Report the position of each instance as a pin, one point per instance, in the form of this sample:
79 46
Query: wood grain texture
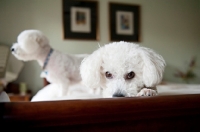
160 113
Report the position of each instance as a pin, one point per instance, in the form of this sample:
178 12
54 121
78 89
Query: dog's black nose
118 95
12 49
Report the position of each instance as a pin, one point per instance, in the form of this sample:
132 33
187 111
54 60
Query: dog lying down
123 69
119 69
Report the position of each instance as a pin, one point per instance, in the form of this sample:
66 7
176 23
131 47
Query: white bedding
4 97
78 91
176 89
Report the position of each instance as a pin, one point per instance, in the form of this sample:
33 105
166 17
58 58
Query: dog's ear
153 68
42 41
90 69
30 40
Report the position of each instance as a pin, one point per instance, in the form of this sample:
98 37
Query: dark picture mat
68 34
113 8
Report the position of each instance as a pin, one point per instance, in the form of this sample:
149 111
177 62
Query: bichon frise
123 69
58 68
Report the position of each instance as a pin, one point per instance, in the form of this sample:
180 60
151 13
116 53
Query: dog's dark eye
130 75
109 75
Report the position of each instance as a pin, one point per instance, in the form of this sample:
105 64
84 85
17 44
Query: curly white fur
123 69
62 69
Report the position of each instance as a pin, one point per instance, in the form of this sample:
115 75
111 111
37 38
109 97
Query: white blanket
176 89
78 91
4 97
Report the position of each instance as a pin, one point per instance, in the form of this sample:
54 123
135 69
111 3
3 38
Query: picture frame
80 20
124 21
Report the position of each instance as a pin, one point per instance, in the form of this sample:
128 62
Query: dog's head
122 69
29 45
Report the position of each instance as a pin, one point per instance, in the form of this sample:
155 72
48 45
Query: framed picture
124 22
80 19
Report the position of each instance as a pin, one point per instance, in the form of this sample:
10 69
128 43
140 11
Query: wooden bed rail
161 113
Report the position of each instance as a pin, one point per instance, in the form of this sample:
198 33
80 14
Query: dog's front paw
147 92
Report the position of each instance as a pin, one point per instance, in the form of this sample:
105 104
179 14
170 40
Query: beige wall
170 27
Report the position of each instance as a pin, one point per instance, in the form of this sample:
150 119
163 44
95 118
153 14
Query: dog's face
121 75
30 43
122 69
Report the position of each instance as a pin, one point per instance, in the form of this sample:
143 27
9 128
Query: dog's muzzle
118 94
12 49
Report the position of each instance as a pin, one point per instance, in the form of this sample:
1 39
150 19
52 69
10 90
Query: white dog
122 69
58 68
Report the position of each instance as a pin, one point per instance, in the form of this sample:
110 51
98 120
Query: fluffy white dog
123 69
58 68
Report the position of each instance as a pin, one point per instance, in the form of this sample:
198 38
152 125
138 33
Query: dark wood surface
19 97
155 114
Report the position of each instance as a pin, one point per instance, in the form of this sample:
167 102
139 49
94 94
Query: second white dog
122 69
58 68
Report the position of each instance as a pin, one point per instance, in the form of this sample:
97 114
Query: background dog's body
59 68
63 69
62 66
